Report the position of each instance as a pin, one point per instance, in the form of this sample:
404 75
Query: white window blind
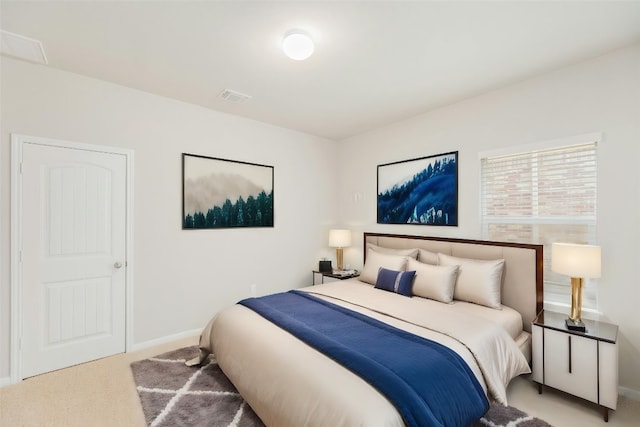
543 196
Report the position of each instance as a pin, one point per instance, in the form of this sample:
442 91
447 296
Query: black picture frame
419 191
221 193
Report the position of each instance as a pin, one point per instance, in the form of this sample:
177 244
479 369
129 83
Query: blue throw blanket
429 384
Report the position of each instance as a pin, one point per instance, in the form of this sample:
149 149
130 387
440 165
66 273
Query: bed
475 299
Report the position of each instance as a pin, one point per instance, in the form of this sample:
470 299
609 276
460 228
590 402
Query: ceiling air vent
22 47
233 96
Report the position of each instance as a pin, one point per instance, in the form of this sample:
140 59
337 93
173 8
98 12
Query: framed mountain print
221 193
419 191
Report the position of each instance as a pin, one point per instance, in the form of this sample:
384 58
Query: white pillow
413 253
478 281
427 257
376 260
435 282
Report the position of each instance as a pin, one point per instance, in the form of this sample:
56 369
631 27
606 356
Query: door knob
118 264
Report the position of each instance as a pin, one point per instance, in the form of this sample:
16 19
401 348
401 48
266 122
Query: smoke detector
22 47
233 96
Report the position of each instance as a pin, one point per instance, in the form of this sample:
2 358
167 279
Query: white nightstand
325 277
584 364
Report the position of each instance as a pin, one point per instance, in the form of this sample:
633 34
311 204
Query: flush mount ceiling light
297 44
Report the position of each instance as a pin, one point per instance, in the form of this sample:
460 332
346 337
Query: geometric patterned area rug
508 416
173 394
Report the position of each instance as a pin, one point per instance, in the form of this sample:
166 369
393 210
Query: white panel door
73 256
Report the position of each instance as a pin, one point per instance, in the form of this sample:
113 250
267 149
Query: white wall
601 95
181 277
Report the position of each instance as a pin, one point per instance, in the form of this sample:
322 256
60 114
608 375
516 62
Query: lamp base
575 325
339 262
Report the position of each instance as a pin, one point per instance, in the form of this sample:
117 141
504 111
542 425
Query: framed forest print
221 193
419 191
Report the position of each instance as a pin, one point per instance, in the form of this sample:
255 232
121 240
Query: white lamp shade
297 45
574 260
339 238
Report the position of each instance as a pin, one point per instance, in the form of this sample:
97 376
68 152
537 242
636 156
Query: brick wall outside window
543 196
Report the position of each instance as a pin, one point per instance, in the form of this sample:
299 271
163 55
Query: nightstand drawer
570 364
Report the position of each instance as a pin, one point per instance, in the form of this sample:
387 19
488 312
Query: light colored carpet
97 394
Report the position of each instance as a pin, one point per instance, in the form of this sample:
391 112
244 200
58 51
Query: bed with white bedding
482 312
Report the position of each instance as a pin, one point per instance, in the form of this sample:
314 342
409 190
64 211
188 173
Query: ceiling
375 62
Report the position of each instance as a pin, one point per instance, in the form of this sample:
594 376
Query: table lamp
578 262
339 239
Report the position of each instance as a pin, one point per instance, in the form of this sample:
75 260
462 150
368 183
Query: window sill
587 313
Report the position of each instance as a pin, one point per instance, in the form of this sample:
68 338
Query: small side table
584 364
333 276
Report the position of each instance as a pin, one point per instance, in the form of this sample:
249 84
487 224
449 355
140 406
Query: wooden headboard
523 269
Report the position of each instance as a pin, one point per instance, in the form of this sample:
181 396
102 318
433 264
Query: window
543 196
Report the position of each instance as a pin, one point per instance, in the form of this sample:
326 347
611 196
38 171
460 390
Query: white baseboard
5 381
629 393
166 339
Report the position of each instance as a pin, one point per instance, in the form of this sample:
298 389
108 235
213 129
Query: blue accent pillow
399 282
